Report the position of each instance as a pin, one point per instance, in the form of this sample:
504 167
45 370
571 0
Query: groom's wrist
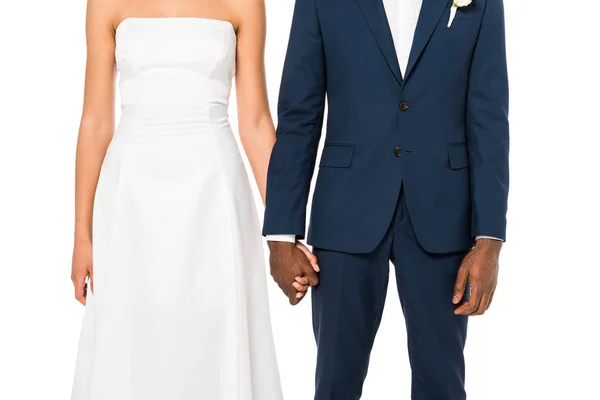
278 249
489 244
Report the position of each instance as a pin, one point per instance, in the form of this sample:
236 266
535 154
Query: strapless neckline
200 19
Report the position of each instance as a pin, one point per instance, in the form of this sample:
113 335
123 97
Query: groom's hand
289 262
480 269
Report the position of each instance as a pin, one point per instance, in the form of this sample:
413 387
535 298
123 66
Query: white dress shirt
402 17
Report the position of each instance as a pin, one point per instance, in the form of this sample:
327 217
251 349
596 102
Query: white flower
461 3
455 6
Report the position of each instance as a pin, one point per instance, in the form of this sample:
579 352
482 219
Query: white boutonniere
456 4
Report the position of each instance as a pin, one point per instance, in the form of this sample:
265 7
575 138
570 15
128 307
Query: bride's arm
257 132
95 132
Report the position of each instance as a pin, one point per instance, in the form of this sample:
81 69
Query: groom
414 171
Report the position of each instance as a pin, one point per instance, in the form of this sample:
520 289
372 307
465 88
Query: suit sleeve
300 120
487 125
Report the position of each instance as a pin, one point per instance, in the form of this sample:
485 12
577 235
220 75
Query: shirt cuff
488 237
281 238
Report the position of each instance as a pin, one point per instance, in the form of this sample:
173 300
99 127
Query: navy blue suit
413 169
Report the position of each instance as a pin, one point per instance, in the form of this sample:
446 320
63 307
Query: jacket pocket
458 156
337 156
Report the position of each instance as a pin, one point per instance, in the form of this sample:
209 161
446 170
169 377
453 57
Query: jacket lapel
374 13
431 13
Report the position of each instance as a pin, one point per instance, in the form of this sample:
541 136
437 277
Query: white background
541 338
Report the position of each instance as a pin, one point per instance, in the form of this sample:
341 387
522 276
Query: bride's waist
174 118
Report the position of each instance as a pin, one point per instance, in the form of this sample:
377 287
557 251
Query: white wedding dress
180 306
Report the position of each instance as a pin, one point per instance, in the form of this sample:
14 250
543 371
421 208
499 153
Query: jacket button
397 151
403 105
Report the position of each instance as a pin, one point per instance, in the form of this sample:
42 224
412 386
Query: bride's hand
301 284
81 269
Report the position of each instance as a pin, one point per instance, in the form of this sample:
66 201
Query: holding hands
294 268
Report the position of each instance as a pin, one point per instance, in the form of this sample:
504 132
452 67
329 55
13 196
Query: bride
168 256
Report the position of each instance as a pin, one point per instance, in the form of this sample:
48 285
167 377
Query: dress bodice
176 63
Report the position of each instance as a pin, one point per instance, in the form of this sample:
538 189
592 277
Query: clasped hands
294 268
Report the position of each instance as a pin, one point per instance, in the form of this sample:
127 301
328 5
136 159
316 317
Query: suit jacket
441 131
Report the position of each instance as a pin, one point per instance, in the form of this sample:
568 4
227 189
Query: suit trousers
348 304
